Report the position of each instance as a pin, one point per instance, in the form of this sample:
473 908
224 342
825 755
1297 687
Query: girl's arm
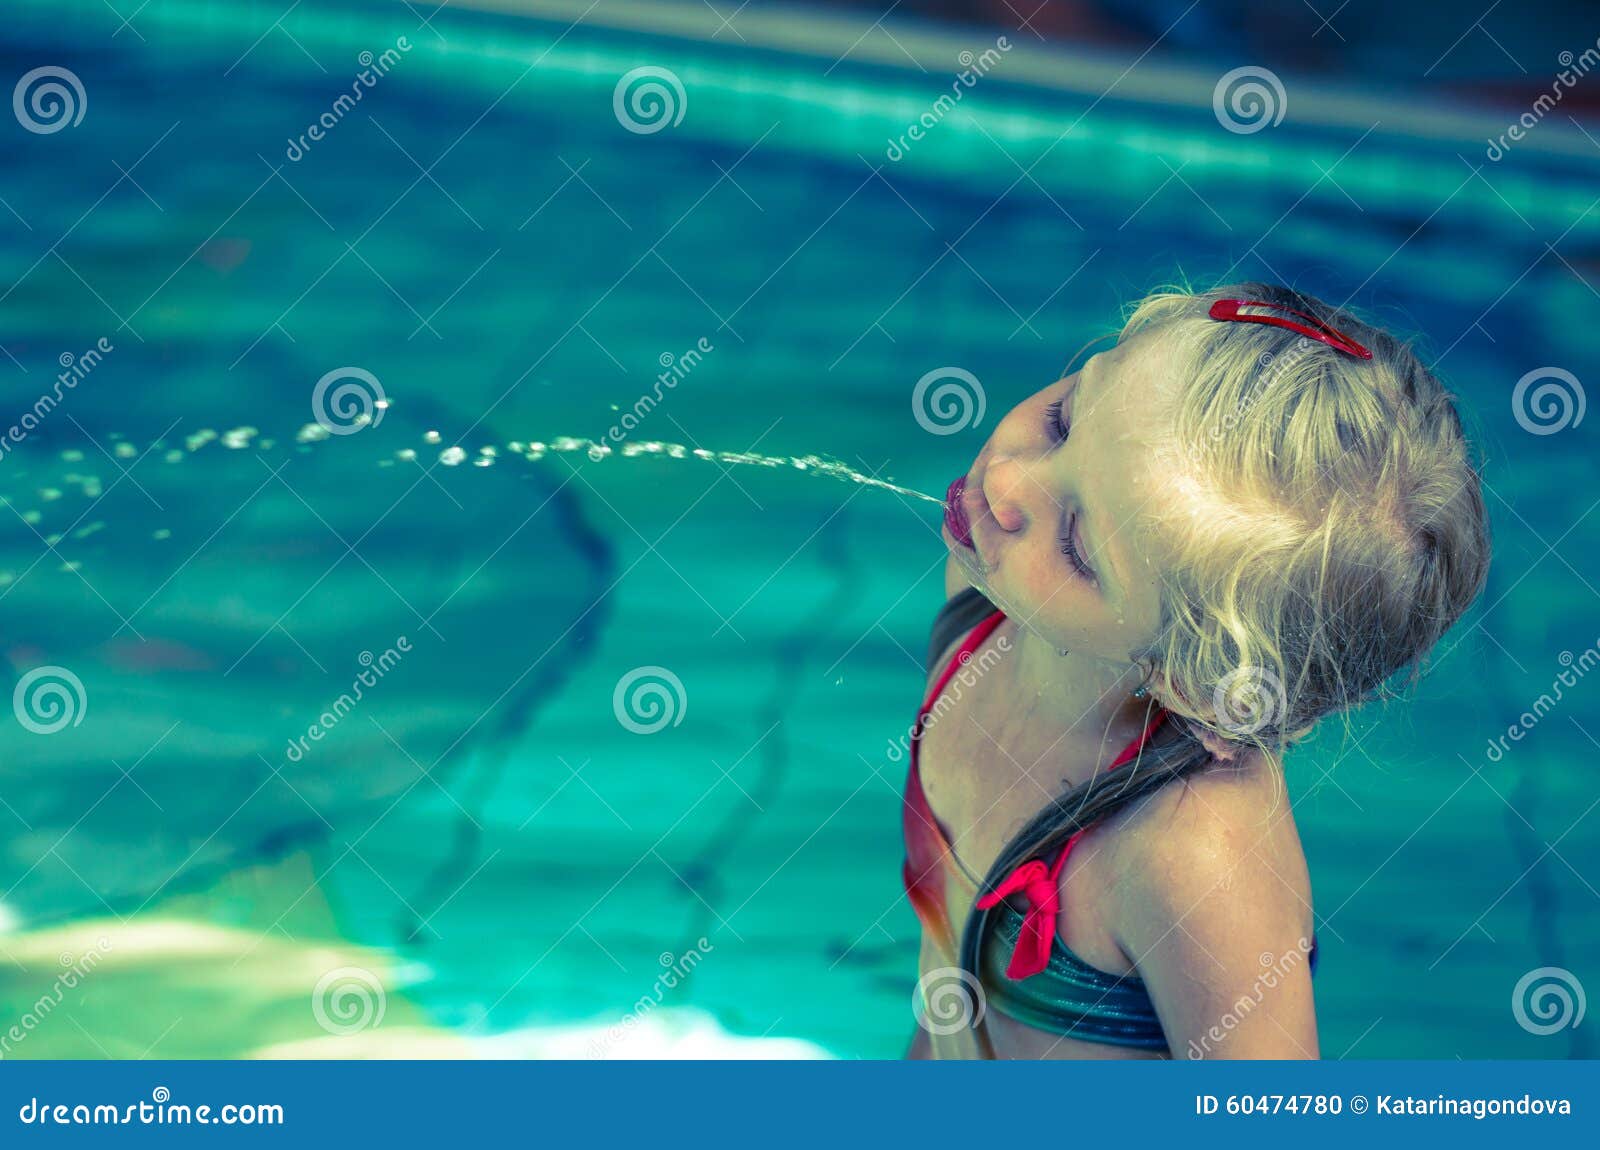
1215 914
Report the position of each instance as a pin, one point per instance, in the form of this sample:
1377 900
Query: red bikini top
1035 881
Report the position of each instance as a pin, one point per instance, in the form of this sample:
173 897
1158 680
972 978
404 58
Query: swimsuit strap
1036 881
962 657
1040 884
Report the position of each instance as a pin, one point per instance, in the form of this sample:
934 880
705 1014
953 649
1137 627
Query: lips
955 513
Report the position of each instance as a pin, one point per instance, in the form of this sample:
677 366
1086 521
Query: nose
1005 488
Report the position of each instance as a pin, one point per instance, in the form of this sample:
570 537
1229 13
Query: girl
1248 514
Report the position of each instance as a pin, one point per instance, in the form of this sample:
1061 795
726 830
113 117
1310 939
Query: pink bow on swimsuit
1038 884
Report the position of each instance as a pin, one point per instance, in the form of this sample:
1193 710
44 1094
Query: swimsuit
1042 983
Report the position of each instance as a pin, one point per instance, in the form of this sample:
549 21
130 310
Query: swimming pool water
483 236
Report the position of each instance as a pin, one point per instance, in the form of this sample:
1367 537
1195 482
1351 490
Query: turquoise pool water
483 236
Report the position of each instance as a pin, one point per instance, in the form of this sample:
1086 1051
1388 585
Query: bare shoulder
1213 909
1228 831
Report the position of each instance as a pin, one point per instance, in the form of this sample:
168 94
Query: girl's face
1058 505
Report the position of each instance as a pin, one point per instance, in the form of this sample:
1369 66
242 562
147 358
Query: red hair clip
1228 309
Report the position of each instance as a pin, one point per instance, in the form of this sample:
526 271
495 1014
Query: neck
1093 697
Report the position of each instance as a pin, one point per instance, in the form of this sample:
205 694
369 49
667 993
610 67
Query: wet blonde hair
1327 524
1325 527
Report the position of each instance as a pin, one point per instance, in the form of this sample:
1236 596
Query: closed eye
1069 548
1056 425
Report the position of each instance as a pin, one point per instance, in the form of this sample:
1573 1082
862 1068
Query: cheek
1061 605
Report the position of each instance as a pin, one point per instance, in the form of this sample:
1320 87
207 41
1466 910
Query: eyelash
1058 429
1070 550
1054 426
